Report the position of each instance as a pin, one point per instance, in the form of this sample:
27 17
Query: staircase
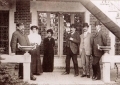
110 8
106 21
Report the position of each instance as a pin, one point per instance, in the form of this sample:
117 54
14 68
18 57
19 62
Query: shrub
8 74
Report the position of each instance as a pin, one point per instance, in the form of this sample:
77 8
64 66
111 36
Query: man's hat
85 25
98 23
72 26
19 24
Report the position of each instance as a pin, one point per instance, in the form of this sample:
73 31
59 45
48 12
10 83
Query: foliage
8 75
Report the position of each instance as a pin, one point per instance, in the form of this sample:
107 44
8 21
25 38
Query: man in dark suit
72 41
99 38
19 37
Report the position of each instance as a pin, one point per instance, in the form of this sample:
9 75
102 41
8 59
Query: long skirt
36 66
48 63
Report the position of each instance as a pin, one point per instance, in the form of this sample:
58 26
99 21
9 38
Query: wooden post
106 72
106 60
112 51
26 67
26 71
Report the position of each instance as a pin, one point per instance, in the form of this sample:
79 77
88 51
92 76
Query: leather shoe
37 74
76 75
83 75
20 77
97 78
65 73
88 76
93 77
33 78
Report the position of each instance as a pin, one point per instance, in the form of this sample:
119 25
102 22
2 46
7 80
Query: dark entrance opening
4 31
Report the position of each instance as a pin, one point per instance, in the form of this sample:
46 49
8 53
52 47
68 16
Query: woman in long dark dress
48 59
35 39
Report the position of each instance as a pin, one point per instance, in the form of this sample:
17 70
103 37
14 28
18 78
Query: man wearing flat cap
19 37
85 50
72 41
100 38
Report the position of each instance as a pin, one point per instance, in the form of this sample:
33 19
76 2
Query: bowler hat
19 24
98 23
72 26
85 25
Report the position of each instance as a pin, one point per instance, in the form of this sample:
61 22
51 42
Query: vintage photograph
59 42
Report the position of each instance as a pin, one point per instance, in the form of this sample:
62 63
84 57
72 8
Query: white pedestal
26 67
106 72
26 71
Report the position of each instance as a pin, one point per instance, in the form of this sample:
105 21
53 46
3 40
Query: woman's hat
50 30
85 25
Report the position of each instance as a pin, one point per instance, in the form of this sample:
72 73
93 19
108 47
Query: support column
106 72
112 51
61 34
12 26
48 20
87 19
33 10
72 18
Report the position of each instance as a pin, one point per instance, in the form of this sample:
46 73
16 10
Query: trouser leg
99 71
68 64
83 62
75 62
87 64
20 69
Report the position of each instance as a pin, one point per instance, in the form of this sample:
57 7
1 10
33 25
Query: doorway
4 31
57 22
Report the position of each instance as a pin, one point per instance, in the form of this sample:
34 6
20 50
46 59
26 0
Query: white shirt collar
98 30
72 33
85 33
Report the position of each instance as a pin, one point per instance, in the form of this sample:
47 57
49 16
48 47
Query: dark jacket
74 44
99 38
18 37
49 46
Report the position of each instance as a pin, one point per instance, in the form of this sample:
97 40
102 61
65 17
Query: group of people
34 39
87 45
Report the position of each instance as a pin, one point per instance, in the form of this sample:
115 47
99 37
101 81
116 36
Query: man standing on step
73 40
99 38
19 37
85 50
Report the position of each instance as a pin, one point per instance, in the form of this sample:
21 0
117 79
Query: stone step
56 78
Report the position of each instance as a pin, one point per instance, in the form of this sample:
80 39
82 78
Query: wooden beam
60 0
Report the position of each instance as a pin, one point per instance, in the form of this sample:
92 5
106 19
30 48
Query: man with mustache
72 41
85 50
